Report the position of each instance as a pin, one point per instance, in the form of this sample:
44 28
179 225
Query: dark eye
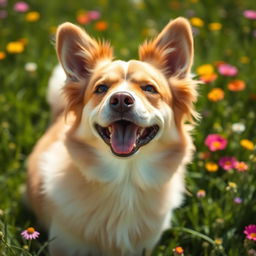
149 88
102 88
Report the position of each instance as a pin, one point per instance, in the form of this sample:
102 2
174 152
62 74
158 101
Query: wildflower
216 94
30 233
236 85
241 166
244 60
214 26
101 25
238 200
215 142
247 144
238 127
178 250
227 70
94 15
211 167
227 162
82 18
201 193
2 55
208 78
205 69
3 14
218 241
232 186
21 6
32 16
204 155
197 22
3 3
250 14
30 67
250 232
15 47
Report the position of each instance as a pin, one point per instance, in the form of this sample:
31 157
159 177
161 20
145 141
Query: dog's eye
101 88
149 88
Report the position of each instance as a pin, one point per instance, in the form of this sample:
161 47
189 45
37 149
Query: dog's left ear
172 50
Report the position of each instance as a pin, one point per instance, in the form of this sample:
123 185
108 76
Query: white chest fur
112 204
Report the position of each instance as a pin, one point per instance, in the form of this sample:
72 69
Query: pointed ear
78 52
172 50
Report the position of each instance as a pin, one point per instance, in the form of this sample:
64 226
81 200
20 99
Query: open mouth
125 137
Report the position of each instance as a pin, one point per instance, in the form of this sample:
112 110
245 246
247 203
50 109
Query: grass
208 226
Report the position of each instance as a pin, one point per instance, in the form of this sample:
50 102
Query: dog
107 174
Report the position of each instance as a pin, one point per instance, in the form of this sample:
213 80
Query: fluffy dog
106 175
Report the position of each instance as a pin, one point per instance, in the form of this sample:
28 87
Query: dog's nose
121 101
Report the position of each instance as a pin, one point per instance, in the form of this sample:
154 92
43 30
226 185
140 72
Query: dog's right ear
78 52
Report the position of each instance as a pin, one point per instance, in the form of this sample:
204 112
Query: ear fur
172 49
78 52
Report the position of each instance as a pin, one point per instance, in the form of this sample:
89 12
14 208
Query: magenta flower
227 70
250 232
227 162
30 233
94 15
238 200
3 3
215 142
21 7
250 14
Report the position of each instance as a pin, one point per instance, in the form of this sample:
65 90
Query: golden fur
92 201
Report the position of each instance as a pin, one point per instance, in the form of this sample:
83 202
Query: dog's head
128 107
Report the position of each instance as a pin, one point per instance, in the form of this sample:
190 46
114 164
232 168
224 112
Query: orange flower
101 25
207 78
247 144
2 55
216 94
211 167
236 85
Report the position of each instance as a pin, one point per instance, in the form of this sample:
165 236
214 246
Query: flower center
30 230
216 144
253 235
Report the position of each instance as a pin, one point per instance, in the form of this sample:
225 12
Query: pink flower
241 166
30 233
227 162
215 142
94 15
250 232
3 3
21 6
238 200
227 70
250 14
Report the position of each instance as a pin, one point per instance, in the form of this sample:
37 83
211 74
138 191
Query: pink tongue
123 137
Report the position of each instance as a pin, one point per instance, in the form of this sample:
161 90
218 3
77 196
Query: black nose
121 101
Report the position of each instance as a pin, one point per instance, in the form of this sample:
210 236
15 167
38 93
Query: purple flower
227 70
3 3
250 14
238 200
227 162
30 233
21 7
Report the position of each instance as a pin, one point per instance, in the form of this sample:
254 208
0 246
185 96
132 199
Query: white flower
31 67
238 127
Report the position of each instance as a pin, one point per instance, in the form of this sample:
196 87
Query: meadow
220 201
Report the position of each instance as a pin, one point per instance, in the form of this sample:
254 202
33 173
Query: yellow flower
232 185
197 22
244 60
2 55
32 16
15 47
206 69
247 144
218 241
216 94
215 26
211 167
